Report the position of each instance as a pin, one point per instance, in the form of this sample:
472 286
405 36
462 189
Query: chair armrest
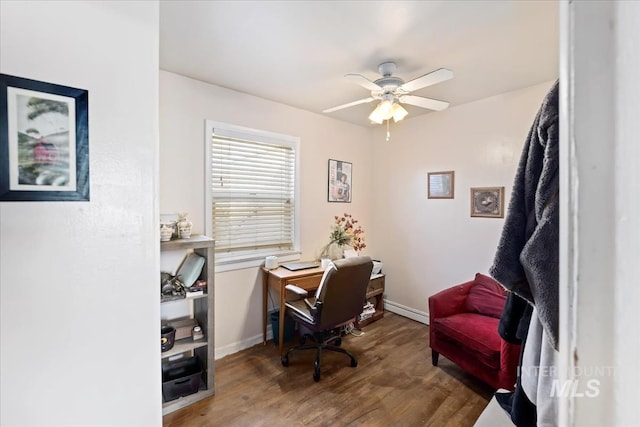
314 308
449 301
297 290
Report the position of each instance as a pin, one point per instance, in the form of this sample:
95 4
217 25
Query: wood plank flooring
394 384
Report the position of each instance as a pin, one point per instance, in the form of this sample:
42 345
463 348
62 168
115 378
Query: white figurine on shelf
165 233
184 226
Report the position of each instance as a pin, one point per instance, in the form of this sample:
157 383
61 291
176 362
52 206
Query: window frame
247 261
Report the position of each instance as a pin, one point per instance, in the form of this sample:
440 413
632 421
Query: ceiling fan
390 88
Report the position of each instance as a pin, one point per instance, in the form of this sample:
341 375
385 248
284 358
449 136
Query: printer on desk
377 267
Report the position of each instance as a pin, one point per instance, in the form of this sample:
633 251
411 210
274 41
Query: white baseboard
402 310
408 312
241 345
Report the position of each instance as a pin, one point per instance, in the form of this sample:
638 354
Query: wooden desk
309 280
277 279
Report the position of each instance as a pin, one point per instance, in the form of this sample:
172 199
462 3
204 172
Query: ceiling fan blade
419 101
363 81
351 104
432 78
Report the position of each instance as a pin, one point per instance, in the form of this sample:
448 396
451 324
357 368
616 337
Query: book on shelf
198 288
166 298
367 311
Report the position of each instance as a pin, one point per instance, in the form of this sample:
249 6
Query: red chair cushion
474 332
486 297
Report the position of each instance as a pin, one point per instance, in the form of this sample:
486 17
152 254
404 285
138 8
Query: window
252 201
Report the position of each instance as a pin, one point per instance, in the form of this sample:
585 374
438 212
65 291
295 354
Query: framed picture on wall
487 202
44 141
339 188
440 185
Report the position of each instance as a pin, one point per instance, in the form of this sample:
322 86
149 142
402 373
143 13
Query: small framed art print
440 185
339 188
487 202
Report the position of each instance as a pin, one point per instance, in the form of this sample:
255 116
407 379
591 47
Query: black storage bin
181 378
289 327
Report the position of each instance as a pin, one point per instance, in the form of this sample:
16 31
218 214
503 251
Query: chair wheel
354 363
285 360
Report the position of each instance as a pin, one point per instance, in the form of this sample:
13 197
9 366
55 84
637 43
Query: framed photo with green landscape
44 141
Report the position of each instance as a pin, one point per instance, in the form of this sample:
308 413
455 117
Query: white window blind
252 194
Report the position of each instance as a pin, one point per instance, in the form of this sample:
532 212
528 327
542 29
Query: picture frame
339 188
487 202
44 141
441 185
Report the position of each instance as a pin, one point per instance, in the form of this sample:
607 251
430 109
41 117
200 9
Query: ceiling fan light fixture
375 119
376 115
386 110
399 112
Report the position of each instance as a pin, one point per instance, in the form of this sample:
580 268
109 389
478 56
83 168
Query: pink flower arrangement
346 232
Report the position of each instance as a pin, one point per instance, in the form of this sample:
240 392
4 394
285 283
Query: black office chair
339 298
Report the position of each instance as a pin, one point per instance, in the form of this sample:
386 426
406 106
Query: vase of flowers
344 232
333 251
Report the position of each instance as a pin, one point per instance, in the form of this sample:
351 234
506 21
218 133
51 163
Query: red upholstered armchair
463 327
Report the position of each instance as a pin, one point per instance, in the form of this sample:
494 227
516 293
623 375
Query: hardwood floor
394 384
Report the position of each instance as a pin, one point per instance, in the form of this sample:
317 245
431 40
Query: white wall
79 280
428 245
185 104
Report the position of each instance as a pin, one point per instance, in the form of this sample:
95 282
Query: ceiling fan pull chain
388 134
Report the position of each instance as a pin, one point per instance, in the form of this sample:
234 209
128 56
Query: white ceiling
297 52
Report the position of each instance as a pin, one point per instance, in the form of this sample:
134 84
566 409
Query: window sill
239 264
